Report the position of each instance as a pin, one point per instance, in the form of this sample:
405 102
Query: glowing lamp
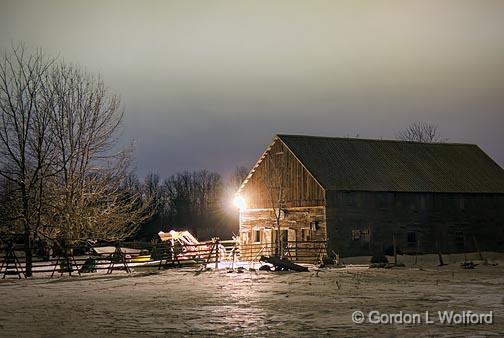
239 202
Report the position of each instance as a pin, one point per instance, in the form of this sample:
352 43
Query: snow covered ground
186 302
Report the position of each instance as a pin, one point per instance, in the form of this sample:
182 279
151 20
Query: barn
307 196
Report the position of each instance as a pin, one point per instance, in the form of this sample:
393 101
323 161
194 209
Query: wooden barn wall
307 221
300 189
362 223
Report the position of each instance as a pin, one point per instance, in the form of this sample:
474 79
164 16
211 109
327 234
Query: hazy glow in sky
207 84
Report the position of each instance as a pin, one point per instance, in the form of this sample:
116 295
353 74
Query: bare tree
274 181
8 206
101 207
57 135
24 145
420 132
88 192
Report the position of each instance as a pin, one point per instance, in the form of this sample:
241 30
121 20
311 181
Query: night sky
207 84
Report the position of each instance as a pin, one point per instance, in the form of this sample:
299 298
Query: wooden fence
151 255
147 255
297 251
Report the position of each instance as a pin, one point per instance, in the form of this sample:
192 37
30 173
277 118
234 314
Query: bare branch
420 132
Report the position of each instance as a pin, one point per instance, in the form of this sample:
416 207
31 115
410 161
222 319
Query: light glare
239 202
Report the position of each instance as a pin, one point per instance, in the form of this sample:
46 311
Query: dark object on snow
283 264
327 260
265 268
331 261
378 265
468 265
379 259
386 265
389 251
88 266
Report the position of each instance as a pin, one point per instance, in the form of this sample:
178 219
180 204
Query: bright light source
239 202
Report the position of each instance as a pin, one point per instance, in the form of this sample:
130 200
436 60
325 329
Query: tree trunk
28 253
278 240
27 232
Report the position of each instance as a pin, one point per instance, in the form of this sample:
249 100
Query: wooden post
69 260
234 257
209 258
119 256
172 248
68 264
55 266
440 256
417 251
395 248
75 264
217 251
1 267
11 259
296 245
477 248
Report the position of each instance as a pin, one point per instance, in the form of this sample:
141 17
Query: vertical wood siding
300 188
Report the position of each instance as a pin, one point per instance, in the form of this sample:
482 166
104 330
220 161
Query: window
359 234
256 235
244 237
305 234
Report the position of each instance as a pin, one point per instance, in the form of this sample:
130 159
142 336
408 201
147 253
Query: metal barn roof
382 165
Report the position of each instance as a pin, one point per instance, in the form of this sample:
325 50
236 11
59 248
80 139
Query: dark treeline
198 201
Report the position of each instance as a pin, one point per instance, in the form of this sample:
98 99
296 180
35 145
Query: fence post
217 250
296 250
395 248
440 256
477 248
